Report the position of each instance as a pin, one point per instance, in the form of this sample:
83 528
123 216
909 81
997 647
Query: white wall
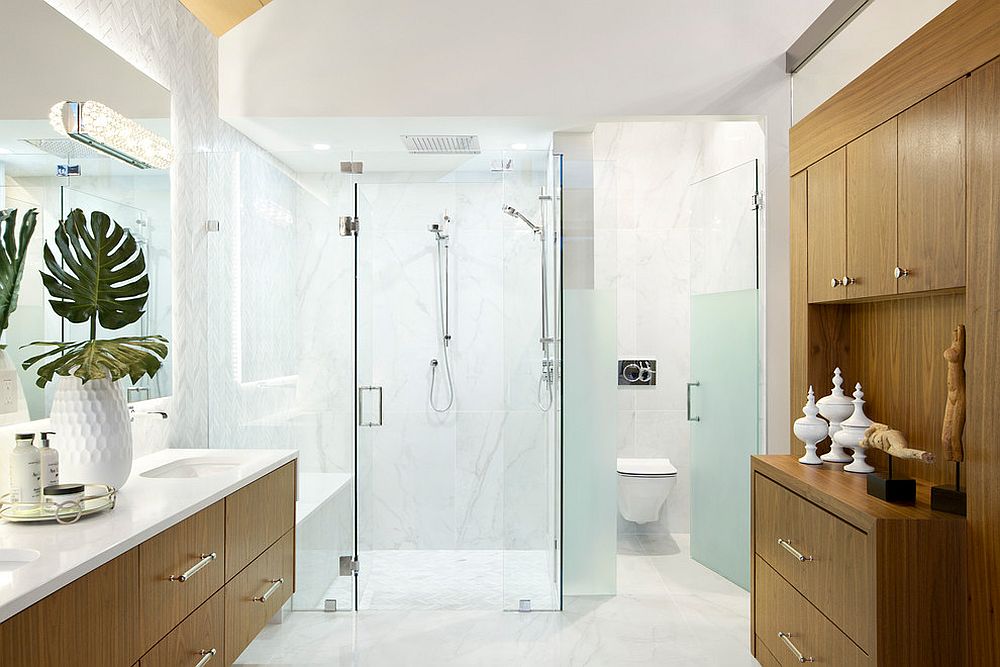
875 31
643 236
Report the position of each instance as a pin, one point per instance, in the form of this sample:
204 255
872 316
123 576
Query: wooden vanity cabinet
932 191
826 223
137 608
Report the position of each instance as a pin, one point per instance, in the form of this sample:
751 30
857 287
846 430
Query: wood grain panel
92 622
764 656
838 579
799 300
245 617
871 212
203 630
982 364
780 608
827 226
257 515
963 37
931 230
895 351
171 553
827 348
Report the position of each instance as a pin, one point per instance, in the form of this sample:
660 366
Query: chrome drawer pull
275 585
787 638
206 657
205 560
795 552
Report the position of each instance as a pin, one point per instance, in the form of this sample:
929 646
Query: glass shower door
724 389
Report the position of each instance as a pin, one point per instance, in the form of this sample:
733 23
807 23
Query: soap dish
97 498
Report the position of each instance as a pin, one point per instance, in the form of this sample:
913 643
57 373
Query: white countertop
145 507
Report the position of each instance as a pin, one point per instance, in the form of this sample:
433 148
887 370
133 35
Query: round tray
97 498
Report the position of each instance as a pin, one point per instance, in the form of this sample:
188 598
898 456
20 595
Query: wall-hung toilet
643 487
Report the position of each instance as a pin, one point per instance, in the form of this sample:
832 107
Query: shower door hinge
757 201
349 566
348 225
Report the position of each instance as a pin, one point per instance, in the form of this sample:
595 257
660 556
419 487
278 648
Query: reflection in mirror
35 161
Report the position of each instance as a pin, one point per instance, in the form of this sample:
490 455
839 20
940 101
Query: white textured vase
93 432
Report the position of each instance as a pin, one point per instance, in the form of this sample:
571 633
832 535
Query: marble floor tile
669 611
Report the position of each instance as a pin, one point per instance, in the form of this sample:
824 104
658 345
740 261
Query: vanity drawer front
781 609
268 577
177 572
257 515
194 639
763 655
837 573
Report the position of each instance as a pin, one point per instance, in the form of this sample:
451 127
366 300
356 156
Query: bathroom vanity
187 569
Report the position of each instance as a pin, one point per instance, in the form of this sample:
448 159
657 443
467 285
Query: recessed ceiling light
519 146
321 147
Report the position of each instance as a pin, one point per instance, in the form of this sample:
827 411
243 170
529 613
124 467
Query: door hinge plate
349 566
757 201
348 225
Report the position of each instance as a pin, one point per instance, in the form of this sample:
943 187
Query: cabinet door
932 191
871 212
826 186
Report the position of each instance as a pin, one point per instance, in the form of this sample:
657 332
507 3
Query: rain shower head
514 213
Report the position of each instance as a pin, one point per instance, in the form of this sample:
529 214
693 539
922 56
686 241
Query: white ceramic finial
853 430
836 408
811 430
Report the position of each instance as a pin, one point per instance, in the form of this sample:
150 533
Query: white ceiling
358 75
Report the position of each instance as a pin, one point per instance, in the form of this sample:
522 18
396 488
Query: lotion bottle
25 470
49 461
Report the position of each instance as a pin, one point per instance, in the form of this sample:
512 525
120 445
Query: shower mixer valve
636 372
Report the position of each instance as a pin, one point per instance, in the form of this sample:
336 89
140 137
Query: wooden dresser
195 594
847 579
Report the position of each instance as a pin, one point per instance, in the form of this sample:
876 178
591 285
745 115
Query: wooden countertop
845 494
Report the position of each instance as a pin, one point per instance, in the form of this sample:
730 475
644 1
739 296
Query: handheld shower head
514 213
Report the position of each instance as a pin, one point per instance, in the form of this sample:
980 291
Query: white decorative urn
95 433
853 431
836 408
811 430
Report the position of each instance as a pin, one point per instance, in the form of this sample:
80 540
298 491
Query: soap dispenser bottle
49 461
25 470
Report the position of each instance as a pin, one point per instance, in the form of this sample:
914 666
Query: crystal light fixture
106 130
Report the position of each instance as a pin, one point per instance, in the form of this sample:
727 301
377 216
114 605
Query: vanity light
106 130
321 147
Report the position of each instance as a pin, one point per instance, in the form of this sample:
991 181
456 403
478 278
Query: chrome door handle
205 560
900 272
795 552
787 638
836 282
848 281
361 405
689 417
206 657
275 585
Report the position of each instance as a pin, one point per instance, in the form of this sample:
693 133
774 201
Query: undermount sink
195 466
11 559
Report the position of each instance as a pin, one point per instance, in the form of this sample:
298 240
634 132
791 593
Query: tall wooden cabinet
826 203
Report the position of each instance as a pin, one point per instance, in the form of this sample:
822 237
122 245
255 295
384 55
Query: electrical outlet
8 391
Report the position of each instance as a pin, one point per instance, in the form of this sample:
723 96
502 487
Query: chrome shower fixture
440 229
514 213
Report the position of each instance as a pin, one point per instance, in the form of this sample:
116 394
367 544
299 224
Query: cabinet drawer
177 572
257 515
763 655
779 608
837 573
257 593
200 637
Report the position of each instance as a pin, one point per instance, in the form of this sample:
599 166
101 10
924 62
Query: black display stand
949 498
890 489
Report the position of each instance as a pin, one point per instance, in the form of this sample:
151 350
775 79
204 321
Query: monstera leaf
131 356
103 272
13 255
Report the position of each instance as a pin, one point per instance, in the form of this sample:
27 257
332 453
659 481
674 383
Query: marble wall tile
528 470
479 478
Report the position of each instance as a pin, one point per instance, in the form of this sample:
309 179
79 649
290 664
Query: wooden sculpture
893 443
954 411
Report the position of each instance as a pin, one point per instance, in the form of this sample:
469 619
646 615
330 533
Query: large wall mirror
47 59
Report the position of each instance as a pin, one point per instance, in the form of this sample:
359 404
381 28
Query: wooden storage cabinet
932 191
180 568
135 610
879 585
826 222
200 634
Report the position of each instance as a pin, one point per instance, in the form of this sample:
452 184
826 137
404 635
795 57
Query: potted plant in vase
101 278
13 256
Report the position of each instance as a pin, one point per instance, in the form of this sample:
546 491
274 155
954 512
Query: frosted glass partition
590 495
724 390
